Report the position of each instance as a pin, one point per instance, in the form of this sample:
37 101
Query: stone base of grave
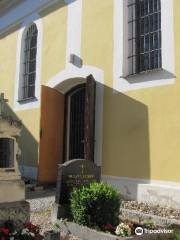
18 212
51 235
59 211
12 190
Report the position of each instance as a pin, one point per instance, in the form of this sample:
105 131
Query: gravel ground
152 209
41 215
39 204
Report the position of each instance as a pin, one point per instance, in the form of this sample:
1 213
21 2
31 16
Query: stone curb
18 212
86 233
140 217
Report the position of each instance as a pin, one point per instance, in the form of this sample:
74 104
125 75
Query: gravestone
72 174
12 189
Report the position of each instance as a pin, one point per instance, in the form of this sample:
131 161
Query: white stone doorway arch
71 77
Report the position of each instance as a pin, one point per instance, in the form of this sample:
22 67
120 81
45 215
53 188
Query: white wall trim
73 72
19 58
98 74
74 23
165 193
168 42
29 172
120 66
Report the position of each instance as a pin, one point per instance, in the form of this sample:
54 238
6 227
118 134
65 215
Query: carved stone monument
74 173
12 189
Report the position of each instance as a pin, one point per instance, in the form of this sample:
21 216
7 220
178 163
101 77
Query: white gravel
41 203
152 209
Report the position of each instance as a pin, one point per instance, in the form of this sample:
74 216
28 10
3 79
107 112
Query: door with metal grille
75 123
80 121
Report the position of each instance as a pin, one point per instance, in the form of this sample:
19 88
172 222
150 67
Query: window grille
144 35
6 153
29 63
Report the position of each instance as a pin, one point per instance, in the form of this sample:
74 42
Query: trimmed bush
95 205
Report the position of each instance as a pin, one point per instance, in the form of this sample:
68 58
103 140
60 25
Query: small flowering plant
9 232
32 228
4 233
123 230
109 228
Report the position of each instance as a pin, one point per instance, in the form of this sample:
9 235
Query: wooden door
51 135
89 118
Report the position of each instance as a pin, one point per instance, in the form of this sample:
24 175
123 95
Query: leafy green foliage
95 205
177 236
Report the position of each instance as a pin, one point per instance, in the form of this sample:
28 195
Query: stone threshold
86 233
139 217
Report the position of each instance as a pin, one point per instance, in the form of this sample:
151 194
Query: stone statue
12 189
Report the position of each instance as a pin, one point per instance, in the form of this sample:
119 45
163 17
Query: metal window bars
144 35
6 153
29 64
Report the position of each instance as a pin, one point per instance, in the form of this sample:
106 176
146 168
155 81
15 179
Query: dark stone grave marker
71 174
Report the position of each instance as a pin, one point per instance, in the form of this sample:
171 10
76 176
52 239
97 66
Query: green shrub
177 236
95 205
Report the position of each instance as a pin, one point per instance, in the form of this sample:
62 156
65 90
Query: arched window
29 51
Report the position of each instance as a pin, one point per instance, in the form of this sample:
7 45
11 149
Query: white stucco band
121 82
74 73
74 29
165 193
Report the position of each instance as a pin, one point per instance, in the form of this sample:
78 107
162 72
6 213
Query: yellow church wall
30 130
7 64
53 61
142 129
97 36
29 140
54 41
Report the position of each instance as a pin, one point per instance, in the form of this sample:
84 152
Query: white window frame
154 78
34 103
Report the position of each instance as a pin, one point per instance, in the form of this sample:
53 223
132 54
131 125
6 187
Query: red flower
108 227
4 231
32 228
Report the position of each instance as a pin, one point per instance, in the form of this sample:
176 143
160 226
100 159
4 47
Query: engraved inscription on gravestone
75 173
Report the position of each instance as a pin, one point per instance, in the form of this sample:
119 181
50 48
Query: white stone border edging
139 217
86 233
